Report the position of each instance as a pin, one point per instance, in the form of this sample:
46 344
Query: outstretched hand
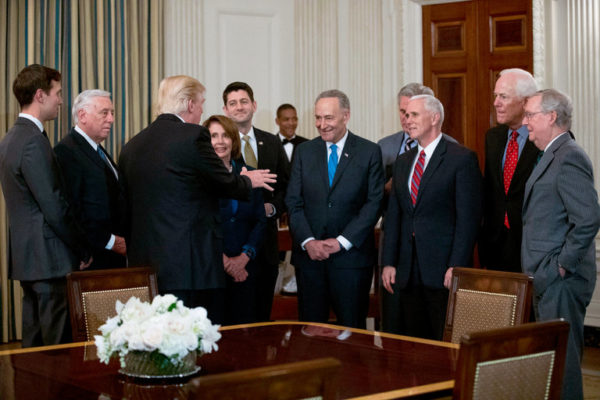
260 178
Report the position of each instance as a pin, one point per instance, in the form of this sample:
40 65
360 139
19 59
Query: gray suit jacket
45 239
561 217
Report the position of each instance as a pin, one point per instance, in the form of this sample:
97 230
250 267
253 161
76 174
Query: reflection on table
390 365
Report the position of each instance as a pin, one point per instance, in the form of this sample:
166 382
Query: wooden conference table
373 364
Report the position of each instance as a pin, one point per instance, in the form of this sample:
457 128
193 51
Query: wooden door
465 45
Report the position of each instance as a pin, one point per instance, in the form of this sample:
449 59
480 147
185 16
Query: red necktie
416 178
510 164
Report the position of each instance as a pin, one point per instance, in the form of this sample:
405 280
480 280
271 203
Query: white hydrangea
165 325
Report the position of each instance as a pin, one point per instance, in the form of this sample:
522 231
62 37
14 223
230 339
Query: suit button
232 219
330 204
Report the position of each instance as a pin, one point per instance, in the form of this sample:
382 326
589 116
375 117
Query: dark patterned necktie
416 178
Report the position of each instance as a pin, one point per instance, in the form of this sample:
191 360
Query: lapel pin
260 143
345 154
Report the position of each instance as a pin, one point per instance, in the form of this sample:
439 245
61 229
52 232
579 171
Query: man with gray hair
561 218
334 199
92 178
431 222
509 160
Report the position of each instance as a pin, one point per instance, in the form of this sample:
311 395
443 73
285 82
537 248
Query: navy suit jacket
445 220
349 208
96 194
173 180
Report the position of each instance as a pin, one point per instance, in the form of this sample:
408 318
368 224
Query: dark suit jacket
296 141
46 241
272 156
96 194
349 208
173 180
445 220
496 202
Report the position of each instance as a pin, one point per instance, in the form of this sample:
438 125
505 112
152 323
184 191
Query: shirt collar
250 134
179 116
522 131
340 143
431 147
86 137
33 119
281 137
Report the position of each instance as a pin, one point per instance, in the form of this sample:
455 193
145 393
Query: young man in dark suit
509 160
261 150
46 242
287 121
173 180
431 222
334 200
93 178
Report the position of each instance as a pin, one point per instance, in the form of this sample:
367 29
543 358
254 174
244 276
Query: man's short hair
414 89
32 78
525 84
231 131
338 94
431 104
285 106
234 87
560 103
175 92
84 99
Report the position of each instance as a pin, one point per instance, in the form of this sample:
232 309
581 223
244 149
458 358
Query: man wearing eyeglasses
561 218
509 159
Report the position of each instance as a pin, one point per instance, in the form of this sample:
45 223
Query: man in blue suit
431 221
334 199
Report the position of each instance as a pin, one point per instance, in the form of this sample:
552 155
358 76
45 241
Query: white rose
152 337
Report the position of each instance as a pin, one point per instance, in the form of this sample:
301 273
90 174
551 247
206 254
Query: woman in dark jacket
243 225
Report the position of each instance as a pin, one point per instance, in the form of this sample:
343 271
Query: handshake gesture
320 250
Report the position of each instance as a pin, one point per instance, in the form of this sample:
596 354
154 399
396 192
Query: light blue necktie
332 163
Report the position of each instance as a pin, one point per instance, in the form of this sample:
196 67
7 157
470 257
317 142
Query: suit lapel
498 145
528 156
542 165
320 160
436 159
405 164
87 149
347 153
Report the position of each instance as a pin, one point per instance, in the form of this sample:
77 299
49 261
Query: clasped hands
320 250
236 266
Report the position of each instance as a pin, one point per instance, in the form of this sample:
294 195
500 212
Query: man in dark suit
287 121
93 178
334 199
173 181
509 160
561 218
261 150
46 242
431 223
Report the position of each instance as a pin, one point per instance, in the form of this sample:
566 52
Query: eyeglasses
530 115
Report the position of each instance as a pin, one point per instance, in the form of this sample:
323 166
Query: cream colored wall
290 50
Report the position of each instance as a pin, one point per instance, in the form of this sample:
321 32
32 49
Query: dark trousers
265 288
213 300
415 310
504 254
346 291
45 312
240 298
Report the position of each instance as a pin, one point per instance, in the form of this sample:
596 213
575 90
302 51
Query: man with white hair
92 178
561 217
509 160
431 221
173 180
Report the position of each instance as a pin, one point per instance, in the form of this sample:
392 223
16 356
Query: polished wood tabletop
377 365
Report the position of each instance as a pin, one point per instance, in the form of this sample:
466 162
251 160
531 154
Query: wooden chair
482 299
521 362
295 380
93 294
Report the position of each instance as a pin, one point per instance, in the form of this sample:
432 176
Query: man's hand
562 271
331 245
448 278
388 277
260 178
83 265
269 209
119 246
388 186
316 250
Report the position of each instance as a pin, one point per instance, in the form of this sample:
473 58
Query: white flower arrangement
165 325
